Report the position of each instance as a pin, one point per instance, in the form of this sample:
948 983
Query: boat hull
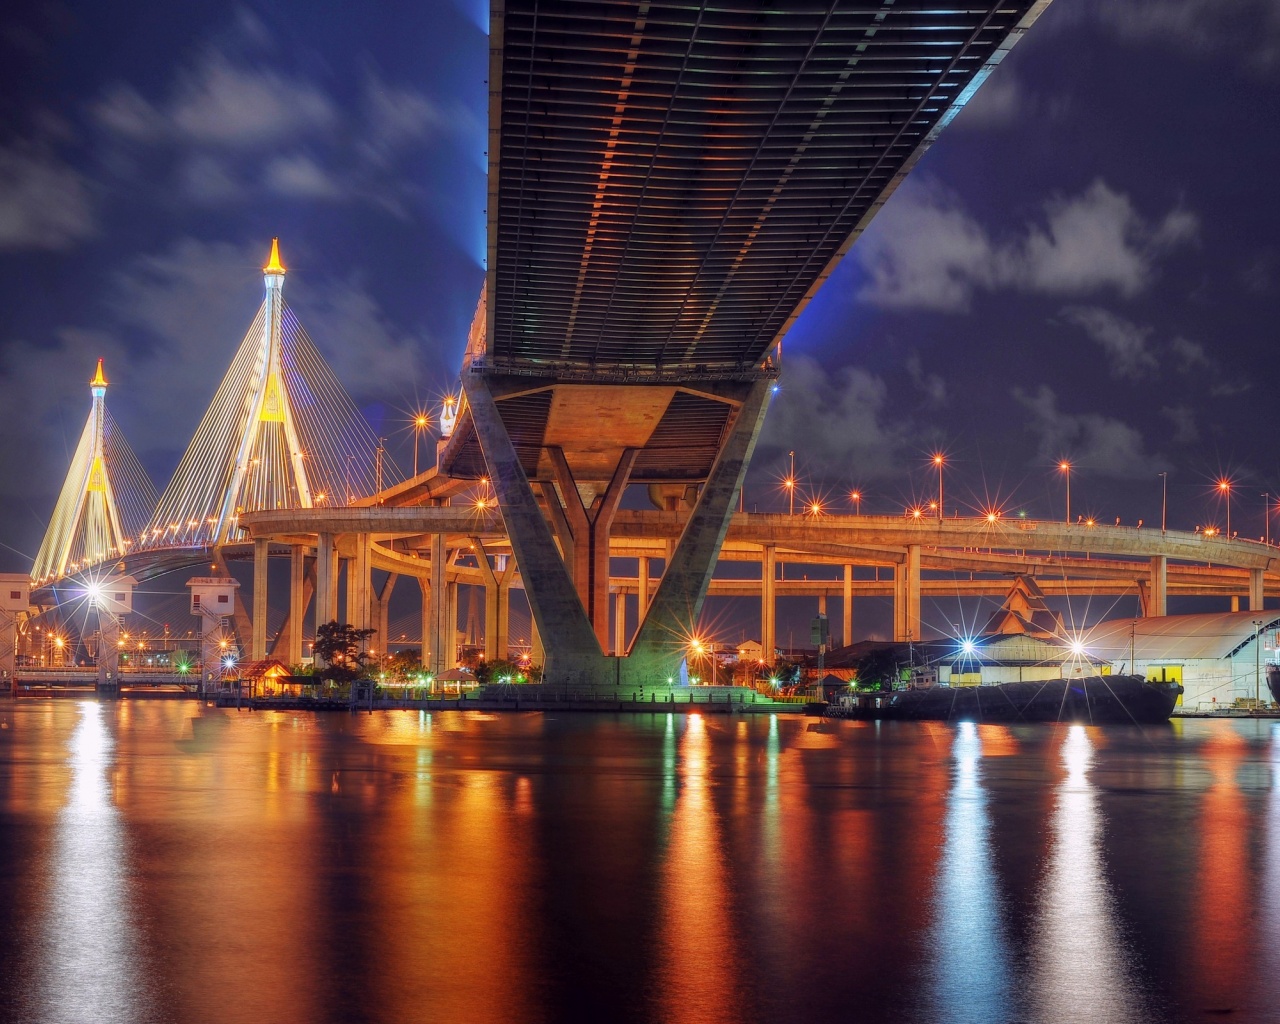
1091 699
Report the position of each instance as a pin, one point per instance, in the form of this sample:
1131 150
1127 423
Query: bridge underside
669 186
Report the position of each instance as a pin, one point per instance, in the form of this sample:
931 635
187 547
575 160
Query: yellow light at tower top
274 266
99 379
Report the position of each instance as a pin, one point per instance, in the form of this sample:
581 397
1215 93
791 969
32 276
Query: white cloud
301 177
998 102
1099 443
925 251
44 203
220 103
1191 355
931 385
1124 342
208 180
837 420
1245 30
1183 419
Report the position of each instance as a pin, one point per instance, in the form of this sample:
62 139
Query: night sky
1083 267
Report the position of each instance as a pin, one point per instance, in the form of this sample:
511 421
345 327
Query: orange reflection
1223 890
696 982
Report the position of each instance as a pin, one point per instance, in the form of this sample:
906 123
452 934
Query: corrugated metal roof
1176 637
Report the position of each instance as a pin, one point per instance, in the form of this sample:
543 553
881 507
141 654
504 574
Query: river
164 861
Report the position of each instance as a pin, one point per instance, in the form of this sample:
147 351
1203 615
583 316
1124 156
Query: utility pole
377 465
1266 519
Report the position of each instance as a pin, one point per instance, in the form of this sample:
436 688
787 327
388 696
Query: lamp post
939 460
419 425
1065 467
1164 502
856 498
1224 488
1266 518
790 484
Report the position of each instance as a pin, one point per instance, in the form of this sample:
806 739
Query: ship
1092 700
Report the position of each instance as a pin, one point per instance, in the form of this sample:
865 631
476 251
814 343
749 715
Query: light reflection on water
1080 966
167 862
90 968
971 977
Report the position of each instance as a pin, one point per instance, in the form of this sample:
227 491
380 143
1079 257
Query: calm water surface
168 862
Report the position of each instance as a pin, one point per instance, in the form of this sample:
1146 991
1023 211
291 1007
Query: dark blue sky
1084 266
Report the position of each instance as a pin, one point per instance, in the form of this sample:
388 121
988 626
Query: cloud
836 419
932 386
300 177
925 251
219 103
1191 355
1183 418
1246 30
998 102
1100 443
1124 342
44 203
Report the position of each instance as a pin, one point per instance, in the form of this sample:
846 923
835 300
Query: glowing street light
790 484
856 498
1064 467
1224 488
419 425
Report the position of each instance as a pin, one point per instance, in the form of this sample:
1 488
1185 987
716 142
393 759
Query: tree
341 647
877 669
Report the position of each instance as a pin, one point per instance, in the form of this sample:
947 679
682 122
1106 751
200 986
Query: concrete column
846 621
1235 602
768 605
261 562
297 601
644 588
678 601
590 529
576 650
619 623
1257 592
425 587
450 625
537 654
439 603
108 652
822 603
1158 601
382 610
360 584
900 628
912 583
326 579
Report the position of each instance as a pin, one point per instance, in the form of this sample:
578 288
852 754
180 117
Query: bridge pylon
280 432
106 498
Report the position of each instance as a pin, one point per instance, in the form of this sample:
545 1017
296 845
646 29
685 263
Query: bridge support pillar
360 584
424 655
768 605
326 580
619 623
1257 591
299 598
589 529
1158 593
381 613
674 612
261 562
497 598
449 636
439 605
108 652
643 590
906 596
846 619
575 655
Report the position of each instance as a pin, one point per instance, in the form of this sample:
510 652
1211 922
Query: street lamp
790 484
1257 663
419 425
1266 517
1224 488
856 498
1065 467
939 460
1164 502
